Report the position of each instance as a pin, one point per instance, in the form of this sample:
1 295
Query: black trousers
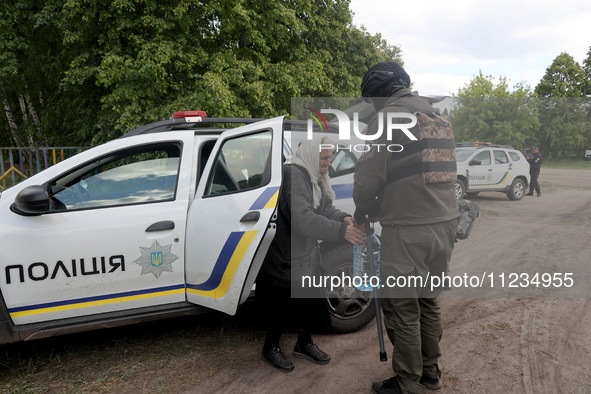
534 185
281 312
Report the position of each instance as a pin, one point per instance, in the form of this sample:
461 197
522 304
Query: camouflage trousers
412 316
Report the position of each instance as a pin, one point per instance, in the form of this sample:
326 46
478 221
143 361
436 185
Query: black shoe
539 194
530 194
430 383
276 358
390 386
311 352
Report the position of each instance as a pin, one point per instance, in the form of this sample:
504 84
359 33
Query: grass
165 356
568 164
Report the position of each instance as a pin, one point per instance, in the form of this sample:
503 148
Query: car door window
514 156
342 162
138 175
483 157
500 157
241 164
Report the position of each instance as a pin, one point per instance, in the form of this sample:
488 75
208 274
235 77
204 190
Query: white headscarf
308 156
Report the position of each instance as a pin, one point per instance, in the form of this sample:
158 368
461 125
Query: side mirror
31 201
475 162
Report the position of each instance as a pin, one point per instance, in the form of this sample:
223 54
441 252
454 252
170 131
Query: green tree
563 78
565 127
586 68
25 88
487 110
99 69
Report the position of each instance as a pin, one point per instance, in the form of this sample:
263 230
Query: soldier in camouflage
412 194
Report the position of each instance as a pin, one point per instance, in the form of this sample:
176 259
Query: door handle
163 225
251 216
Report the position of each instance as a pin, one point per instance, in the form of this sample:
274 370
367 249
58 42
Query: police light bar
190 116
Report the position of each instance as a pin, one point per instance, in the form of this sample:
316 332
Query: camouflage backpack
434 151
468 213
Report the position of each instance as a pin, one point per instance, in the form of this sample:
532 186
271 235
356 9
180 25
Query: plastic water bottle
362 272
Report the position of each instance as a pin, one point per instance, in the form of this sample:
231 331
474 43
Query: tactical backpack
435 149
469 211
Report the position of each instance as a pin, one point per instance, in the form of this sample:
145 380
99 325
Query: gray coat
299 227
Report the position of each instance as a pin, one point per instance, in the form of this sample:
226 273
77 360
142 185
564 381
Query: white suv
173 218
491 168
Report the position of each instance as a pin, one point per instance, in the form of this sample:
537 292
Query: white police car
485 167
173 218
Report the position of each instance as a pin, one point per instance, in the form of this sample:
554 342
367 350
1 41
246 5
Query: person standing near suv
419 226
535 162
305 214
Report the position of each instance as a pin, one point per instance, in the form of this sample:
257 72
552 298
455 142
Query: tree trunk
11 121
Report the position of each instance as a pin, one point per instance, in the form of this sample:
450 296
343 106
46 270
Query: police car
483 167
171 219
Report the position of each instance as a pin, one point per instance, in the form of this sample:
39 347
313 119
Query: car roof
461 145
206 125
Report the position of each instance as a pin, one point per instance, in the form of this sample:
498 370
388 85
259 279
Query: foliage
26 88
93 70
555 116
586 68
565 130
486 110
563 78
564 114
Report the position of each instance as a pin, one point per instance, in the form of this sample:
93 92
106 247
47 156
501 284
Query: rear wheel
459 189
517 190
349 309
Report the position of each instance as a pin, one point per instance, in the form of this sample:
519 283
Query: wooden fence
17 164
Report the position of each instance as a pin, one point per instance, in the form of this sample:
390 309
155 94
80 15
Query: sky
446 44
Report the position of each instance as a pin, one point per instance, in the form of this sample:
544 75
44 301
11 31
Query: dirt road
499 339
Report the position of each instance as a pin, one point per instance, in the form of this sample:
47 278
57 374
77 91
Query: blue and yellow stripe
85 302
218 283
343 191
216 286
233 251
503 179
267 199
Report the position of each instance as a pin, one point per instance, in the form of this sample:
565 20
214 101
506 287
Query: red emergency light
188 114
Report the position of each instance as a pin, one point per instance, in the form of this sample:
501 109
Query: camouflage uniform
419 224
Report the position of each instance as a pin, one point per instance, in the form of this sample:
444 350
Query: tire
472 194
459 188
517 190
349 309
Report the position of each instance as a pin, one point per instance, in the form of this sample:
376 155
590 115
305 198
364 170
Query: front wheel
349 308
517 190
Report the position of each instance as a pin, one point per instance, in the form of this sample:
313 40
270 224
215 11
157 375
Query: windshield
463 153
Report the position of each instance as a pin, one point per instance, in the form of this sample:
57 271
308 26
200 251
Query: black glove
360 216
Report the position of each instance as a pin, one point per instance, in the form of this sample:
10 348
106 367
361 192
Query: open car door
229 226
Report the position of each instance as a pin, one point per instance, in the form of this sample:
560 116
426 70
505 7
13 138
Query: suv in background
484 167
588 154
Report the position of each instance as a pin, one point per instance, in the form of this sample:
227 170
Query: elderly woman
305 215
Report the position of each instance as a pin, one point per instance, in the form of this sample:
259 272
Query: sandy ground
501 339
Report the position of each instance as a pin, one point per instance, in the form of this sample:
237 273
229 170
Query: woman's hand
350 220
354 234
